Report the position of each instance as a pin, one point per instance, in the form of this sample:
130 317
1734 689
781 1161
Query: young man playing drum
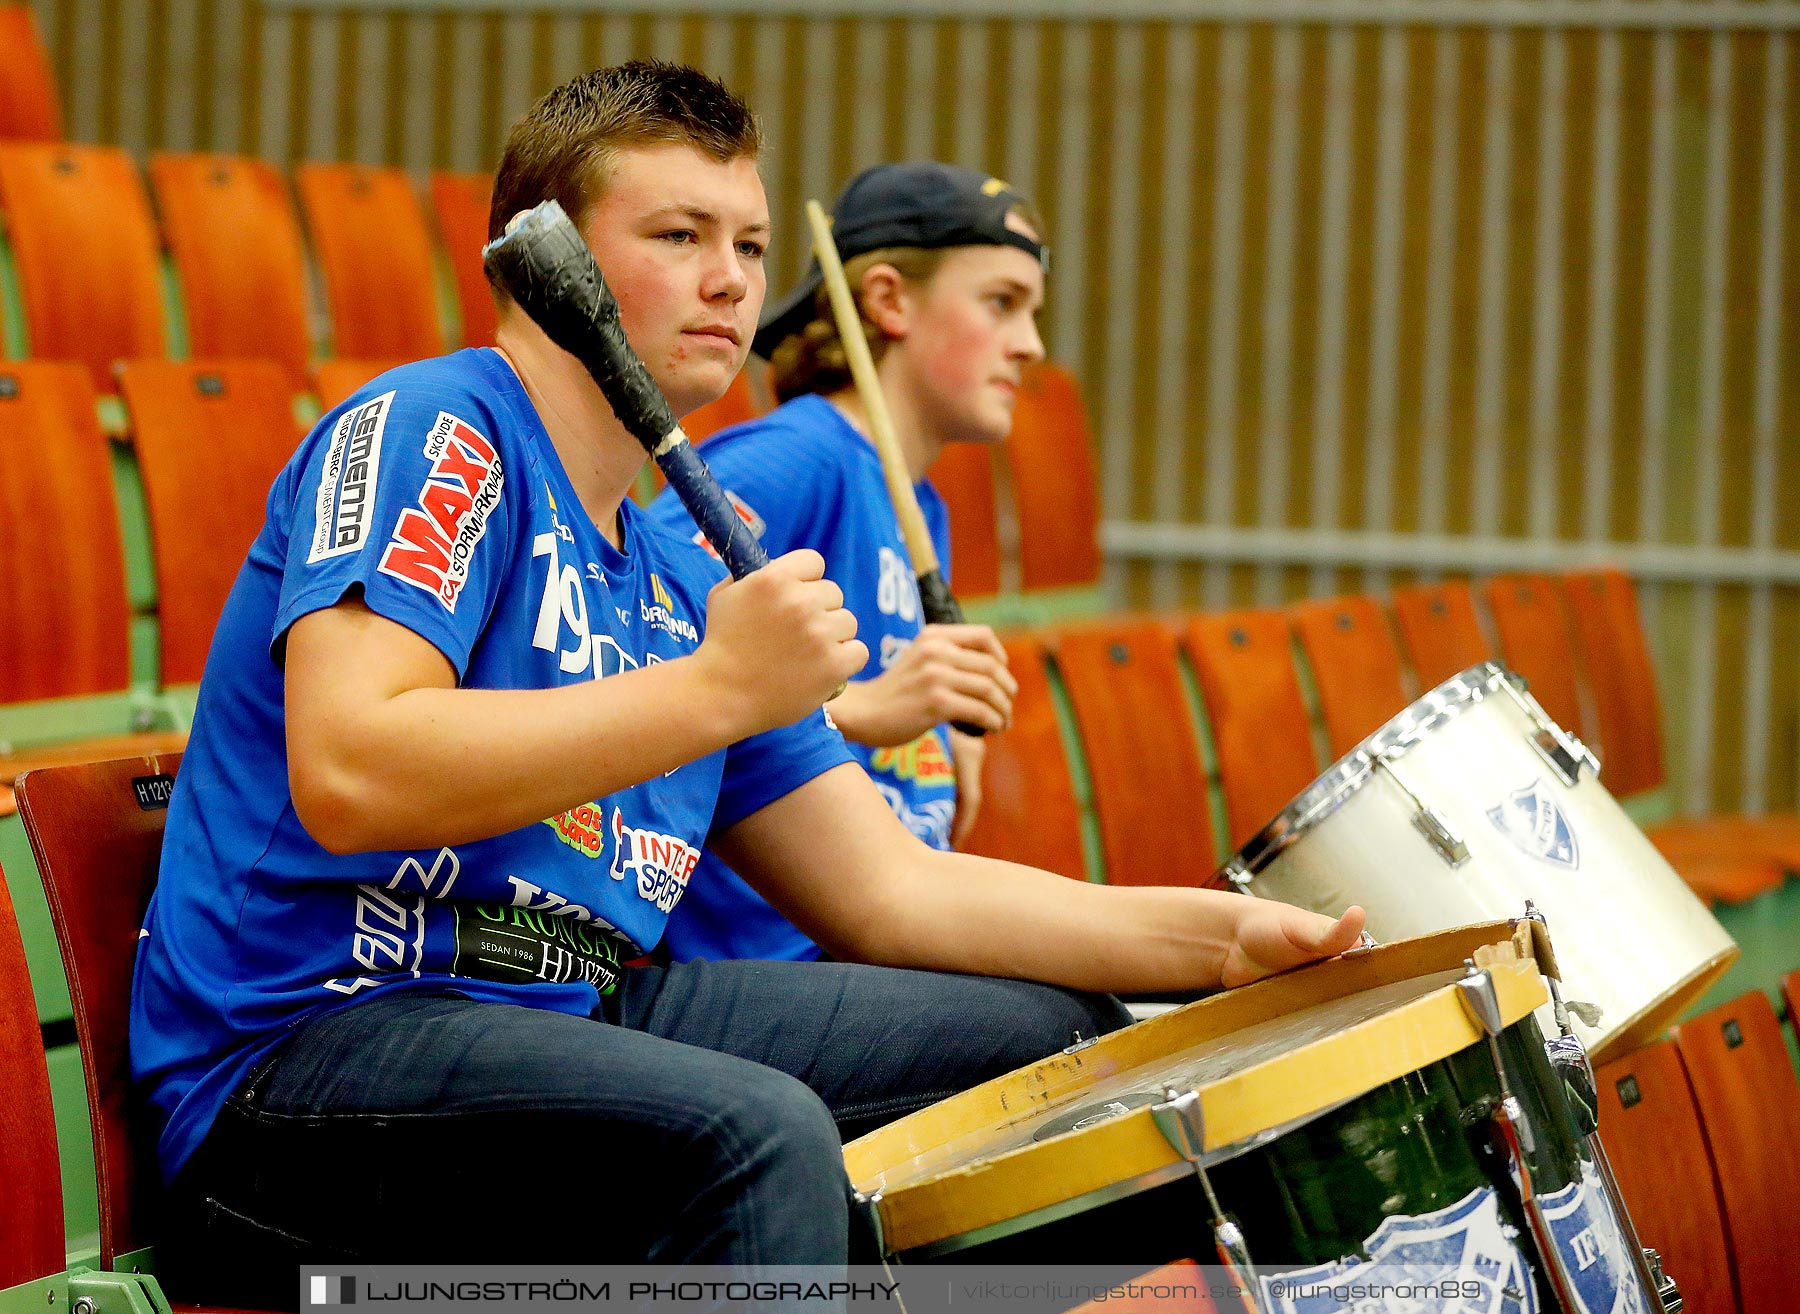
386 1005
947 269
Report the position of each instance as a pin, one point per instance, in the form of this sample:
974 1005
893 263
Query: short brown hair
565 144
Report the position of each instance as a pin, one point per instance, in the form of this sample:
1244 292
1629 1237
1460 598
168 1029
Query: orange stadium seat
1727 857
86 252
1651 1131
31 1206
1355 667
1029 809
1749 1101
1050 458
29 109
235 242
1244 663
1535 641
97 846
461 202
65 616
210 436
374 255
964 477
1439 630
334 380
1143 754
737 405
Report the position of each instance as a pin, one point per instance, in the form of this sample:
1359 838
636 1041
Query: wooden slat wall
1506 282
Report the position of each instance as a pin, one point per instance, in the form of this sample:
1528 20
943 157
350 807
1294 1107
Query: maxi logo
434 542
661 863
347 480
388 933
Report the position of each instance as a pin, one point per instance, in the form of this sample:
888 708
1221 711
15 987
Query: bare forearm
1000 919
435 766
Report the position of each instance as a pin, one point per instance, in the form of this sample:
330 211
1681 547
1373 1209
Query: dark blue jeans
695 1118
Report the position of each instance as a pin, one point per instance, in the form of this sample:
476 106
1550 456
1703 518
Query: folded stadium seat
1622 675
1031 808
211 437
1651 1131
1355 667
374 256
460 202
964 478
1262 734
1056 496
334 380
31 1206
235 241
1142 750
29 108
1749 1102
96 830
65 619
86 253
1439 630
1536 642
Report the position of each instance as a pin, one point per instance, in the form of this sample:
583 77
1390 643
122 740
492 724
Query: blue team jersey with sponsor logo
436 494
802 476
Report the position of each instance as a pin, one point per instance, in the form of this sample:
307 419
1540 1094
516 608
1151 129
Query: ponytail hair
814 359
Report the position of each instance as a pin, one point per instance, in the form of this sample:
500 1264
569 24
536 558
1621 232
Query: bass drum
1386 1117
1471 803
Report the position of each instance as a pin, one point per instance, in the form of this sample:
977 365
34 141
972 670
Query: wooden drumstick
939 605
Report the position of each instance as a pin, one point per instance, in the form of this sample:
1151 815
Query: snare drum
1386 1116
1464 807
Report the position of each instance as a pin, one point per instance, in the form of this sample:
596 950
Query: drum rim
1339 782
1240 1109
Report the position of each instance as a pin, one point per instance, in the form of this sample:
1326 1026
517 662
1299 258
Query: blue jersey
436 494
802 476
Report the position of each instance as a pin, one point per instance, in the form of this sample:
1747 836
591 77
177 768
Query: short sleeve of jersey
402 493
764 767
772 473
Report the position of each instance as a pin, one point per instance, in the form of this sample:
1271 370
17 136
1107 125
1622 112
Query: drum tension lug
869 1206
1427 820
1183 1124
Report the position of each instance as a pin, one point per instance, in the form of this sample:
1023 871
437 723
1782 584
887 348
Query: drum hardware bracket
1561 751
1426 819
869 1206
1587 1014
1666 1291
1080 1043
1183 1124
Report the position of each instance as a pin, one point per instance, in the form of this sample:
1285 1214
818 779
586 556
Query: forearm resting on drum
833 857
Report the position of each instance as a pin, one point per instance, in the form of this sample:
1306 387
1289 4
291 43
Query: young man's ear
885 301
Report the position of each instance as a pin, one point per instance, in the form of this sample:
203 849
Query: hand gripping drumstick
547 267
934 594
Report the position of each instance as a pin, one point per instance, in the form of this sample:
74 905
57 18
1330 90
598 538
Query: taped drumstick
939 604
545 264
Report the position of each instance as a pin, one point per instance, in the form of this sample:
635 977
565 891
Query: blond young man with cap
947 268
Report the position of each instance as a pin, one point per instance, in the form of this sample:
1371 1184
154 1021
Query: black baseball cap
919 203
